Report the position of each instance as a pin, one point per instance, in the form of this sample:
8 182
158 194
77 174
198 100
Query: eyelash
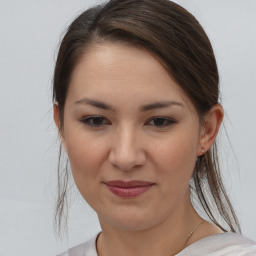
87 120
165 120
168 120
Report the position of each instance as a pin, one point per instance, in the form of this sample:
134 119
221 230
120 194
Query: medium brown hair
177 39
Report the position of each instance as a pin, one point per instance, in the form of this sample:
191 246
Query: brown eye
161 121
95 121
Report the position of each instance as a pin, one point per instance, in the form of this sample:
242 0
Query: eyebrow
95 103
160 104
143 108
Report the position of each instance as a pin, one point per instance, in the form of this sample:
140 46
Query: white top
226 244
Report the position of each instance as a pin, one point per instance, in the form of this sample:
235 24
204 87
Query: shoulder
225 244
85 249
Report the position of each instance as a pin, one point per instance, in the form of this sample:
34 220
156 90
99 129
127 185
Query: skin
128 144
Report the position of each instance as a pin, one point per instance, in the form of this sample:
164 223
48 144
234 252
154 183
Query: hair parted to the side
177 39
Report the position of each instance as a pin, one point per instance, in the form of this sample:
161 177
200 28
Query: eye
161 121
95 121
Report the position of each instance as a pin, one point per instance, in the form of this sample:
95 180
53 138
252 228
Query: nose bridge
127 150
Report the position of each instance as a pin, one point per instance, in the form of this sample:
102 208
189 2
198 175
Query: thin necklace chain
189 236
191 233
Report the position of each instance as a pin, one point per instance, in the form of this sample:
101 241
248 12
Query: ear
210 128
56 116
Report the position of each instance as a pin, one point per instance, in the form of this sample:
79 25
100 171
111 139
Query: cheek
176 150
86 158
86 154
175 160
83 154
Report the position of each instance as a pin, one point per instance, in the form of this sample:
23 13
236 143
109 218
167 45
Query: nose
127 151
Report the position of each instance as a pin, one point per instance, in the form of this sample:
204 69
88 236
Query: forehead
123 73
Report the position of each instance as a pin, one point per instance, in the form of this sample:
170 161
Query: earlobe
57 122
210 129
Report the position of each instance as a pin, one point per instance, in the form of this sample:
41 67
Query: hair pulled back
177 39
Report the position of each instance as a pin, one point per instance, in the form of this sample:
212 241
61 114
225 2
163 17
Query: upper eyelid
91 117
162 117
151 118
106 119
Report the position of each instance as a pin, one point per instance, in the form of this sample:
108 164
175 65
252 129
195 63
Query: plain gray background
29 35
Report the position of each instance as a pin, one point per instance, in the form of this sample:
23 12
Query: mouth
128 189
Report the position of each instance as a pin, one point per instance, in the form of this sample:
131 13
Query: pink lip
128 189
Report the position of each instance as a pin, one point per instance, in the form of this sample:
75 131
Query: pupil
97 120
159 121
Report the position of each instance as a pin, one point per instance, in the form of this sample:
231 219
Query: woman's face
132 137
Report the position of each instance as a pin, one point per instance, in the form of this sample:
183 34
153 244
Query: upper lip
128 184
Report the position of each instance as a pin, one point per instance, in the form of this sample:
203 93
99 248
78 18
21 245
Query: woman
136 105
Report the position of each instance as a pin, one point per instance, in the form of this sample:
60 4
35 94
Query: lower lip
128 192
